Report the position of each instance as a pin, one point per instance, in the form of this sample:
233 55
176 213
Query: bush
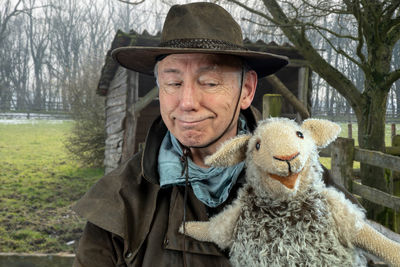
87 140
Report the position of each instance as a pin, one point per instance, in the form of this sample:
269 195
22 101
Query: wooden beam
298 63
288 95
376 158
144 101
272 105
325 152
342 151
376 196
393 150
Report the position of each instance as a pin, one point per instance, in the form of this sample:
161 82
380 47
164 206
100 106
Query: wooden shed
132 98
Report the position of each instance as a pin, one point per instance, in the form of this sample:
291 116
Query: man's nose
189 98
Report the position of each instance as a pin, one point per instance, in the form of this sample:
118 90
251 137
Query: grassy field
38 185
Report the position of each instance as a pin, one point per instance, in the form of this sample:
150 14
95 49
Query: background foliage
50 48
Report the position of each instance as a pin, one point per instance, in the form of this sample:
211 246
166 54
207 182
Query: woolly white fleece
285 216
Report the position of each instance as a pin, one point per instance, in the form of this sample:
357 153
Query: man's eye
209 84
174 84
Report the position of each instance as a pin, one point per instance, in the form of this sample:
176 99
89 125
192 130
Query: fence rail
343 153
377 158
376 196
24 115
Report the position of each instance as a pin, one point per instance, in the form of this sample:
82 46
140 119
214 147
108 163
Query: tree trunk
393 108
38 88
371 135
5 101
397 86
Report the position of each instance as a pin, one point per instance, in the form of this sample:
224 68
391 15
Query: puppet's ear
230 153
322 131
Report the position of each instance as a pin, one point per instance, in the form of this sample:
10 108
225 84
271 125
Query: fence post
349 130
396 178
272 105
342 155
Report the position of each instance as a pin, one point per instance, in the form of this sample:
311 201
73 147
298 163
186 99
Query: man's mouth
288 181
190 122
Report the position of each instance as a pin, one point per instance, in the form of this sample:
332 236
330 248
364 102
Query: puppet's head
279 155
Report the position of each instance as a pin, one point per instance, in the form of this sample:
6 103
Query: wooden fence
343 153
392 150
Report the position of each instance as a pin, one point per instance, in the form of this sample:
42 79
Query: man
207 82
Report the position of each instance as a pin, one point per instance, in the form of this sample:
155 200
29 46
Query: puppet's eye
300 134
258 145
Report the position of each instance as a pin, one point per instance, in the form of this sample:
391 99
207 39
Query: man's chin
192 141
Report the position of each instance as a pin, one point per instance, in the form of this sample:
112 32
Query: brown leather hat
198 28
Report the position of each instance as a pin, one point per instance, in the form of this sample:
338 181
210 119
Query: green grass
344 133
38 185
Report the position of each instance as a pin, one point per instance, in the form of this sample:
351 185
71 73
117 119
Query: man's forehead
202 59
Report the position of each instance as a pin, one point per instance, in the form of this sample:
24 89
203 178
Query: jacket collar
156 134
152 145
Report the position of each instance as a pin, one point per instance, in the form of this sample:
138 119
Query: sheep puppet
285 215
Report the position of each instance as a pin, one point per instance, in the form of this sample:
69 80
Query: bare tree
371 29
8 11
68 35
396 85
16 64
37 32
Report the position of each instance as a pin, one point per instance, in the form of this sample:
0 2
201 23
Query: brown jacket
134 222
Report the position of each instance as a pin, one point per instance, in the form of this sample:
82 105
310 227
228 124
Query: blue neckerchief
210 185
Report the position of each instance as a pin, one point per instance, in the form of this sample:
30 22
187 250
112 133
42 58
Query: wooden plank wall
119 98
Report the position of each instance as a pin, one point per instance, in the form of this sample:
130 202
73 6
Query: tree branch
131 3
329 9
15 12
360 32
391 9
259 23
393 31
317 27
341 51
334 77
392 77
254 11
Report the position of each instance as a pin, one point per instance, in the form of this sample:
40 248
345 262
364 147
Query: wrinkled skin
198 96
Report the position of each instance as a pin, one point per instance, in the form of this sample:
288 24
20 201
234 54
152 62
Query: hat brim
142 59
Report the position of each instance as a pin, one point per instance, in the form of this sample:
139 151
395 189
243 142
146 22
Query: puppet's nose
287 158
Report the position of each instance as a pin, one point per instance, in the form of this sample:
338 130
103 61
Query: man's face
198 95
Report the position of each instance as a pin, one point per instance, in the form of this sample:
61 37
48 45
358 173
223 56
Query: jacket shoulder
105 204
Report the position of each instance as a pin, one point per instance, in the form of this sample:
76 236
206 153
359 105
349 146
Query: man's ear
230 153
248 89
322 131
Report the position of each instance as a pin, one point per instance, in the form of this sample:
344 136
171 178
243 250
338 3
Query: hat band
201 43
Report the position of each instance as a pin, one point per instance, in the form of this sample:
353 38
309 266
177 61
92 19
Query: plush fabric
272 232
285 215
